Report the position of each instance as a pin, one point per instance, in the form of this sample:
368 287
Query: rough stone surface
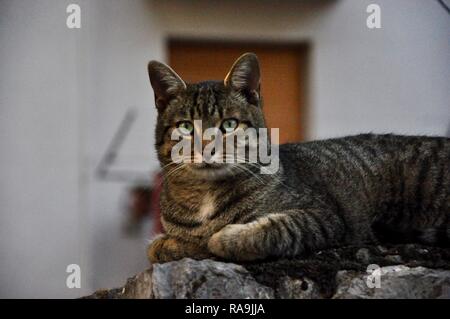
137 287
396 282
294 288
407 271
205 279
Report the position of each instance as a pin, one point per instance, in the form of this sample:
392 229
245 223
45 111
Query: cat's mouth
208 166
210 170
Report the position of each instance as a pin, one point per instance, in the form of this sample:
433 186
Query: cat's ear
244 76
166 83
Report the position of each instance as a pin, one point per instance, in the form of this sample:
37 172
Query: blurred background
77 162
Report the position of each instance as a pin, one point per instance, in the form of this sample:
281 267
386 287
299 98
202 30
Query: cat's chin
211 171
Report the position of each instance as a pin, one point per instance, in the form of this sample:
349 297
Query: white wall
121 37
39 220
63 93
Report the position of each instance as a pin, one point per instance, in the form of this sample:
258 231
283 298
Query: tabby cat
327 193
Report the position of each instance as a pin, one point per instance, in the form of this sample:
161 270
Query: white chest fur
207 207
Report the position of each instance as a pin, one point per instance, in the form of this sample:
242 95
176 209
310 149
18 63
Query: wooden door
283 71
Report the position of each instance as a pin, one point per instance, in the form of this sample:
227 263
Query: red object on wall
155 209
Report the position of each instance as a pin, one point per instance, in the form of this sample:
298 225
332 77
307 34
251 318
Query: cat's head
229 105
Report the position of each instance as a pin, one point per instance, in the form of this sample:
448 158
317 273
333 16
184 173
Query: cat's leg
284 234
166 248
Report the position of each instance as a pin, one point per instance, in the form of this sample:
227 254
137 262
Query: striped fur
342 191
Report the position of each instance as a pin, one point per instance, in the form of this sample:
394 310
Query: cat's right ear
245 77
166 83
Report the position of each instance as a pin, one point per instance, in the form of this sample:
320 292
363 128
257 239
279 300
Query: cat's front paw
227 242
157 252
166 248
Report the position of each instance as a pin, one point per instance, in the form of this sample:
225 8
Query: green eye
229 125
185 127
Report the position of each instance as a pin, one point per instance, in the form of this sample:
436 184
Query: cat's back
388 168
366 149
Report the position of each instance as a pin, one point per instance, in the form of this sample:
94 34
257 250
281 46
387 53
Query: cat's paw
155 251
166 248
163 249
226 242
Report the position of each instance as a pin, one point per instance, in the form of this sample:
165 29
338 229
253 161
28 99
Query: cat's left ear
166 83
244 76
